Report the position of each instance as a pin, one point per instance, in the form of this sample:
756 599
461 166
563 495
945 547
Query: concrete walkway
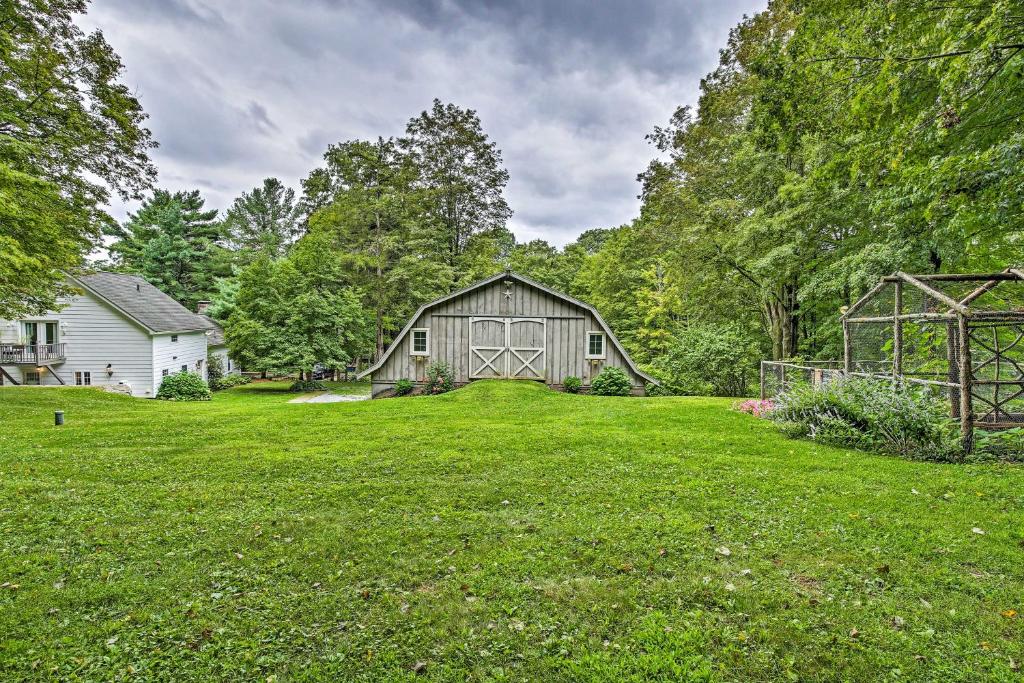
328 397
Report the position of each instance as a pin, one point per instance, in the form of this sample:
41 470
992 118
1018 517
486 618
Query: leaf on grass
1009 613
854 633
978 530
723 551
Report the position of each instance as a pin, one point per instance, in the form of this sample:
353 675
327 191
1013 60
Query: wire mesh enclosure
959 335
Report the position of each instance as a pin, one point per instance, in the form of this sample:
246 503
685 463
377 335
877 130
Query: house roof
216 335
142 302
527 281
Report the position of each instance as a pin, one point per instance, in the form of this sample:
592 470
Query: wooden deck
31 354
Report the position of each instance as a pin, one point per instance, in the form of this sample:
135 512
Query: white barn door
526 348
488 348
512 348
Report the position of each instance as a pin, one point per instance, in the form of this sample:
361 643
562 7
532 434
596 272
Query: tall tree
369 228
286 318
172 240
265 220
461 171
70 132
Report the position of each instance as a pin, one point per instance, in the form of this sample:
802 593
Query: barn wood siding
565 331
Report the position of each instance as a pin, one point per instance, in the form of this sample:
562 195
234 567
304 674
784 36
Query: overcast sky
239 91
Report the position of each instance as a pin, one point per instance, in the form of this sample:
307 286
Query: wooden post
897 333
847 349
763 395
966 377
953 370
995 388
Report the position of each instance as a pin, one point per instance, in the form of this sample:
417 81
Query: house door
32 333
510 348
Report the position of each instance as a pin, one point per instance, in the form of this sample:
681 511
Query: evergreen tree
265 220
172 241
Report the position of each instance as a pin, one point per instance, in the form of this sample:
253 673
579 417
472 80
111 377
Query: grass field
500 532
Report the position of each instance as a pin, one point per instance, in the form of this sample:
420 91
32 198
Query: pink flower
756 407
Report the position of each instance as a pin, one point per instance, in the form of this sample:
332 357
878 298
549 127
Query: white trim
412 341
604 346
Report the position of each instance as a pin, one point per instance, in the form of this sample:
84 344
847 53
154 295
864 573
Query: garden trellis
960 335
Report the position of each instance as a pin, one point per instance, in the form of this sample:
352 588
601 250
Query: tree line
835 142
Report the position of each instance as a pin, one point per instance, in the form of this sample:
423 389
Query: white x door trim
493 357
506 360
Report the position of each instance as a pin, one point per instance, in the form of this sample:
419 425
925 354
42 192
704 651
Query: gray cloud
566 88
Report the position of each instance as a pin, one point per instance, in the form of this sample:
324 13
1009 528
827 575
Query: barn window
595 344
421 342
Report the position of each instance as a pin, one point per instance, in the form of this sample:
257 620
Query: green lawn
500 532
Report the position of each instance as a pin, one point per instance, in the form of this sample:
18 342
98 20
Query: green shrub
183 386
572 384
214 370
1007 444
652 389
439 378
709 359
228 381
611 382
403 387
873 415
304 385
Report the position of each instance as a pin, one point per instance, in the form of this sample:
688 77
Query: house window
32 377
174 337
595 344
165 372
83 379
421 342
199 366
184 368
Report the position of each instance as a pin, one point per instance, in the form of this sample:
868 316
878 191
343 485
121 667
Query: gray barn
507 326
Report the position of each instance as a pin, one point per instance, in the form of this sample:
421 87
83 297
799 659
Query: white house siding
94 335
222 352
189 348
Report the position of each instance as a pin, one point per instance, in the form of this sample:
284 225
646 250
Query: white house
216 344
119 330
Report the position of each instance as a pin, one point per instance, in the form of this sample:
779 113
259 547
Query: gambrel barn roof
507 275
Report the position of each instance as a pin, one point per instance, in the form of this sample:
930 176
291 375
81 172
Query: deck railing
30 354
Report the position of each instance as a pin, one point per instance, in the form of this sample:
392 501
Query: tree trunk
380 279
780 312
